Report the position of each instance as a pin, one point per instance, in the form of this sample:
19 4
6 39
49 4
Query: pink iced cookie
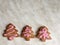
27 32
10 32
43 33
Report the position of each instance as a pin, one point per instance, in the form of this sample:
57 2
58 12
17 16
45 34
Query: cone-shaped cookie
10 32
27 33
43 33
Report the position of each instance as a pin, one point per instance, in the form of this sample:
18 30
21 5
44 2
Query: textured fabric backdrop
34 13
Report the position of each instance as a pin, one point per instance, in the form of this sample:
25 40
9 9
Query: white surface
34 13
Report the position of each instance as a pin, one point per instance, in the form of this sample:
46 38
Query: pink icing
27 31
5 34
15 35
27 35
44 34
11 38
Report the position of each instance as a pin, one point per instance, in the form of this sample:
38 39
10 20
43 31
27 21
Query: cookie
10 32
43 34
27 33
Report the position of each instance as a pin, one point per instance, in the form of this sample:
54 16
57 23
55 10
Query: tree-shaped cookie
43 33
10 32
27 33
